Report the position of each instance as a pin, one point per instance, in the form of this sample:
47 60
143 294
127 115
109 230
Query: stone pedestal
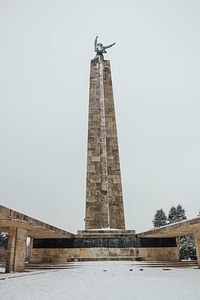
107 244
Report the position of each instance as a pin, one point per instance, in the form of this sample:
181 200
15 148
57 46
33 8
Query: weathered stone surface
19 226
16 250
10 219
104 200
100 233
102 247
87 242
95 254
158 254
174 230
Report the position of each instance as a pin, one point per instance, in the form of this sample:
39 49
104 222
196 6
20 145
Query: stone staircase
142 264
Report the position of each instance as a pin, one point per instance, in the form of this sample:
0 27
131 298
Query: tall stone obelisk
104 199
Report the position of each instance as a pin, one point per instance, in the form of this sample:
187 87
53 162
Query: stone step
180 264
143 264
107 258
160 264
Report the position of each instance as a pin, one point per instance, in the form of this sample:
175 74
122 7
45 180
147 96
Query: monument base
109 244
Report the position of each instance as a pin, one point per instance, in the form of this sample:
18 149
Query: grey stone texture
104 199
16 250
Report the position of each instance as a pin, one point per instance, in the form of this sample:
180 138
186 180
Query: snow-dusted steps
103 280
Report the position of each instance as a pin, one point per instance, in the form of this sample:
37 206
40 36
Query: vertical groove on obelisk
104 165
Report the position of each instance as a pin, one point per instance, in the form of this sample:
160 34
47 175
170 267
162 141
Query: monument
105 236
104 199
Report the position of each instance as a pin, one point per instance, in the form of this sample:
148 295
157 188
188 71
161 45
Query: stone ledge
10 218
99 233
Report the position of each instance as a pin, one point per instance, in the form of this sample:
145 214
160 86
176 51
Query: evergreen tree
3 240
160 218
187 243
180 213
176 214
172 215
188 247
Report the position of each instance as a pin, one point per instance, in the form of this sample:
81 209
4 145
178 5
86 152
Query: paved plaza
103 280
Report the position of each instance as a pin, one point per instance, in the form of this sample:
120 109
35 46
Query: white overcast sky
45 52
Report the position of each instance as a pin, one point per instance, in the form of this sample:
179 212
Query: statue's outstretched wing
105 47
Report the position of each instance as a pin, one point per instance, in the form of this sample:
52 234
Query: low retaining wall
73 249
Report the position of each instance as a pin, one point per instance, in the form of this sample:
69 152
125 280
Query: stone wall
74 254
158 254
78 254
104 248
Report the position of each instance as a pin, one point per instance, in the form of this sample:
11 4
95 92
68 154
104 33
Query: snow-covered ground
103 280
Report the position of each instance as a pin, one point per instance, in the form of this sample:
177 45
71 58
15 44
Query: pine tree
180 213
187 243
188 247
160 218
176 214
172 215
3 240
